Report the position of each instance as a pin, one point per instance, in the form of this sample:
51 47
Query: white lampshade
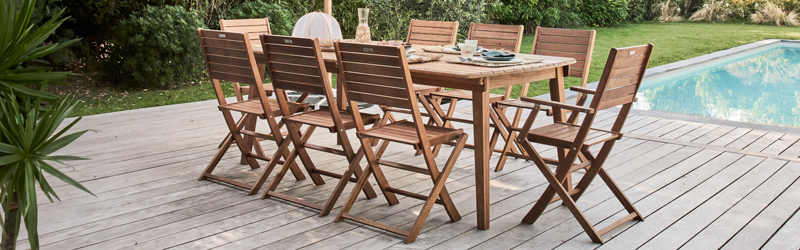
318 25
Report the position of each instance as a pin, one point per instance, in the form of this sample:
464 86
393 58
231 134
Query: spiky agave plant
29 119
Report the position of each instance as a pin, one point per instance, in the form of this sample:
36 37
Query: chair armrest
582 90
553 104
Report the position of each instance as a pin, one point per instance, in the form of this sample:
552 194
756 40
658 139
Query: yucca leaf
45 186
8 149
61 142
63 177
27 91
8 159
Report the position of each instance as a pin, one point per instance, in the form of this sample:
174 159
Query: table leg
557 94
480 112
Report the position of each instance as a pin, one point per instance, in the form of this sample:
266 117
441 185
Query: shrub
714 11
771 13
604 13
157 47
641 10
667 12
280 20
743 9
532 13
390 18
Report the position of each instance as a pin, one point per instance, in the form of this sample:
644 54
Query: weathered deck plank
148 195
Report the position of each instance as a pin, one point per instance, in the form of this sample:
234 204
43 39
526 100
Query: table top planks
443 68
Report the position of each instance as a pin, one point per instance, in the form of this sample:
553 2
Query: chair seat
322 118
253 106
425 89
465 95
406 132
562 135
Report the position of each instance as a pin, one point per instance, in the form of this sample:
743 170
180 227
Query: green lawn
673 42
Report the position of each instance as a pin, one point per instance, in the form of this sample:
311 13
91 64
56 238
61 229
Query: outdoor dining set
411 93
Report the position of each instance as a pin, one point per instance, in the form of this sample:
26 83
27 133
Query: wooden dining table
480 80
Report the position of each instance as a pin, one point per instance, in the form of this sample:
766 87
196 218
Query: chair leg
281 173
302 153
354 168
561 172
250 141
556 187
438 191
240 142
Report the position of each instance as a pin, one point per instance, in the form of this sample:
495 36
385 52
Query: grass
673 42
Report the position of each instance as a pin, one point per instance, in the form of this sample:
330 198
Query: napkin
496 54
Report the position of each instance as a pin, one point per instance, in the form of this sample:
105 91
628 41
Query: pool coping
654 71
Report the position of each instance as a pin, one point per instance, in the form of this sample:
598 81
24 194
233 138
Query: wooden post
328 7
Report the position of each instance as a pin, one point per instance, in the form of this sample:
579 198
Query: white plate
410 50
413 57
452 51
512 61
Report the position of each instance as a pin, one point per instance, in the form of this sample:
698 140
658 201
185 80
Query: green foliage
642 10
21 41
604 13
743 9
346 12
532 13
157 47
280 21
389 19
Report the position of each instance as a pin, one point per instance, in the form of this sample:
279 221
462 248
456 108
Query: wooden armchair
577 44
618 86
380 75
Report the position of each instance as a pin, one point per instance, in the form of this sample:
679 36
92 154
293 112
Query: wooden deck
700 186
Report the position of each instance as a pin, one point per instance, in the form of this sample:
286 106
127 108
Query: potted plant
29 120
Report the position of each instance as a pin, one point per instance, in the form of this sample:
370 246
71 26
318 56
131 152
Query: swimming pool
761 85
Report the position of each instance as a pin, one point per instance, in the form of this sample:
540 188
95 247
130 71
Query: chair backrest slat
577 44
622 76
423 32
294 63
229 57
497 36
254 27
384 84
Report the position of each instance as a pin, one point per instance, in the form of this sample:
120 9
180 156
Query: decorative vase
362 31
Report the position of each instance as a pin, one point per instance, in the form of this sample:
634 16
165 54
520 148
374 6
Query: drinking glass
467 50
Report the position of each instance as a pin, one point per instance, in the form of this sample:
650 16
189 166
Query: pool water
758 86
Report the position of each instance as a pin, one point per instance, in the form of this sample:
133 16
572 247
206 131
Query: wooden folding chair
618 86
253 27
577 44
229 57
380 75
490 36
296 63
421 32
